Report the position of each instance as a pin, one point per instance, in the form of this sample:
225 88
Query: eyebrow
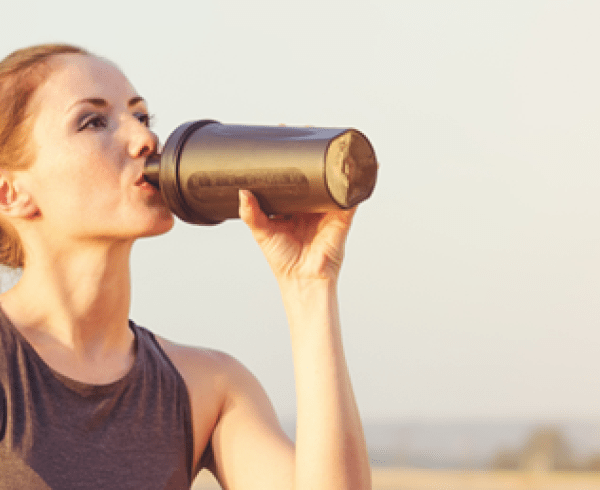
135 100
99 102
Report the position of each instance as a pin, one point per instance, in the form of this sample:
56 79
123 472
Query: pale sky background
471 285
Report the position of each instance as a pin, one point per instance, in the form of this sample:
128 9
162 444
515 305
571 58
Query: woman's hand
305 253
304 246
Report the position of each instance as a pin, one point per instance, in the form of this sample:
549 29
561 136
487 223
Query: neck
80 299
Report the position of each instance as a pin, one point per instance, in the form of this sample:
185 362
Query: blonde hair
21 74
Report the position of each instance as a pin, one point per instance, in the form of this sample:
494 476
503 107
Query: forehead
74 77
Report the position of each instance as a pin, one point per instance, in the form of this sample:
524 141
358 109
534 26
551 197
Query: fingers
348 214
250 212
263 226
247 209
341 217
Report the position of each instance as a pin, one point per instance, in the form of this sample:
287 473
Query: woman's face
90 140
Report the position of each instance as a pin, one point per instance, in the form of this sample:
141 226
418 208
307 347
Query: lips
146 186
141 180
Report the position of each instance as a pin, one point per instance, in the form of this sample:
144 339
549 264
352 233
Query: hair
21 74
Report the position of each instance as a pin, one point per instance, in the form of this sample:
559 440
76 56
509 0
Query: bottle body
290 170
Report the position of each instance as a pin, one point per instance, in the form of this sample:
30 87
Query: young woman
88 399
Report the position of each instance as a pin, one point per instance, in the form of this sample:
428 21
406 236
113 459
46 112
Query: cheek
75 189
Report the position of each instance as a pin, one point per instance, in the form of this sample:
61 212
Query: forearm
331 451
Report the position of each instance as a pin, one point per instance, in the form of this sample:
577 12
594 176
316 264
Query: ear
15 201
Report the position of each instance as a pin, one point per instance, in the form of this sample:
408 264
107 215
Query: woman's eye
144 118
95 121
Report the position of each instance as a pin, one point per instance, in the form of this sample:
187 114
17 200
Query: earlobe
15 201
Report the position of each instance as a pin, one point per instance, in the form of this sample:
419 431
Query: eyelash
91 121
146 119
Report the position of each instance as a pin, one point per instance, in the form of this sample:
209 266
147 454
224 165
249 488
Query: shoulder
203 366
215 381
233 418
211 376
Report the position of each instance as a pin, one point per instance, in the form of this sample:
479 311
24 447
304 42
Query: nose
142 141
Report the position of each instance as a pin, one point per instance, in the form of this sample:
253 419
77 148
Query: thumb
251 214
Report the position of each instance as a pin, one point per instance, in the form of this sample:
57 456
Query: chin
160 225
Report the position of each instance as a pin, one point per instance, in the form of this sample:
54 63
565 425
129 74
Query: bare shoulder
230 408
202 365
210 376
214 378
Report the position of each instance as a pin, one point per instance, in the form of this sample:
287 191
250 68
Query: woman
88 399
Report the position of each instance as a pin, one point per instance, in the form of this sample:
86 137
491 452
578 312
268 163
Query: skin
78 210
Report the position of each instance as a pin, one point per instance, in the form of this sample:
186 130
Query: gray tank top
58 433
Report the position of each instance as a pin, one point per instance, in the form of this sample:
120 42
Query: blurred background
470 292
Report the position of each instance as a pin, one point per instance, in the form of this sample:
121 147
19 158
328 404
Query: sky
471 283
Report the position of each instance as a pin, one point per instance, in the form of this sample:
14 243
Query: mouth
141 180
145 180
143 184
151 171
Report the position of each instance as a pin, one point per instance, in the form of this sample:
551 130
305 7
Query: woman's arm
330 446
305 254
